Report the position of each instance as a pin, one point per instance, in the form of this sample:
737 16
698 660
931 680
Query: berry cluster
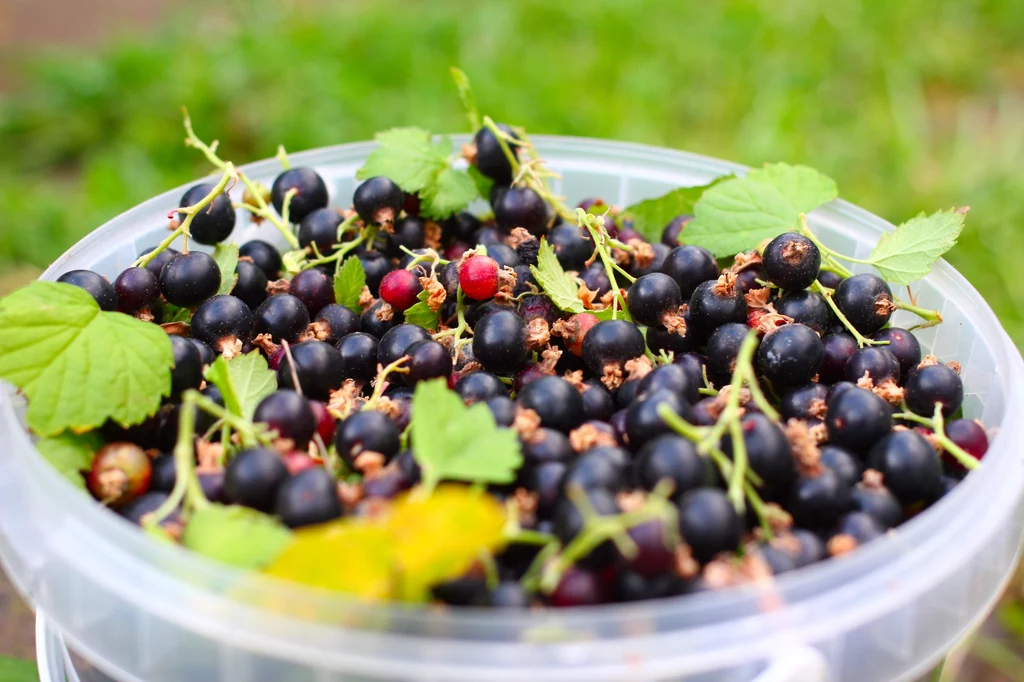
683 426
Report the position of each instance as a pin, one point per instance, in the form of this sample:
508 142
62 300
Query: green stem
184 464
339 254
250 434
757 395
462 326
381 381
937 423
932 316
739 457
630 278
598 234
282 156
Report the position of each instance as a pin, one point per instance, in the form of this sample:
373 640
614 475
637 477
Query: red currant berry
120 473
478 277
970 436
400 288
324 420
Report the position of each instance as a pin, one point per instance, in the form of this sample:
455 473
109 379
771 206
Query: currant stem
599 235
757 395
185 489
739 458
937 423
933 317
381 381
462 325
282 156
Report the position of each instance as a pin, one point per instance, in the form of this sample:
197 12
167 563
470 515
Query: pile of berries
768 402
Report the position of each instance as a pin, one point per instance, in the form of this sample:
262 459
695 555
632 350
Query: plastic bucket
140 610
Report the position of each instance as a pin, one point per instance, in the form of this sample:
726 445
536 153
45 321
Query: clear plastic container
136 609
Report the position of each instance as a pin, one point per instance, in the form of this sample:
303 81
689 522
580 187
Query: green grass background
911 105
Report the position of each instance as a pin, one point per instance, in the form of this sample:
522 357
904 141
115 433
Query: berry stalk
938 426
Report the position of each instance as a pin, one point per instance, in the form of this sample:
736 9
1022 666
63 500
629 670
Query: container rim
879 563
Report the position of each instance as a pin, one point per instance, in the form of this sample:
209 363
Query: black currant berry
378 200
555 400
396 341
521 207
673 458
376 265
668 377
160 260
670 236
188 367
96 285
503 409
479 387
310 192
790 355
902 344
190 278
598 403
708 523
214 223
723 349
263 255
504 255
308 498
843 463
427 360
866 302
829 279
289 414
651 297
547 445
604 468
378 320
222 321
857 419
610 343
817 502
164 473
137 289
334 322
859 527
876 501
839 348
875 362
358 356
283 317
791 261
808 402
713 304
934 384
768 453
313 288
409 232
317 366
253 477
596 278
807 307
499 342
490 157
909 465
367 431
573 246
643 418
568 522
689 266
320 227
251 286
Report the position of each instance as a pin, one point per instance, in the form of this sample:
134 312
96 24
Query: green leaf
18 670
234 535
420 313
407 156
559 286
173 313
451 191
455 442
244 381
484 184
906 254
70 454
77 365
652 215
738 214
348 284
226 256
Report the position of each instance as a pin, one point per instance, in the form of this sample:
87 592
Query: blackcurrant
317 366
708 523
817 501
902 344
866 302
555 400
139 509
253 477
289 414
320 228
651 297
283 317
643 418
930 385
573 247
409 232
670 236
723 349
568 522
96 285
190 278
909 465
213 223
313 288
877 363
136 289
367 431
221 321
158 262
502 409
263 255
857 419
521 207
768 453
308 498
790 355
358 356
499 342
251 286
839 348
791 261
334 322
378 200
689 266
829 279
377 320
695 366
611 342
970 435
876 501
396 341
670 457
604 467
504 255
310 192
597 401
859 527
807 307
843 462
427 360
188 367
653 556
807 402
479 387
490 157
547 445
668 377
400 289
713 304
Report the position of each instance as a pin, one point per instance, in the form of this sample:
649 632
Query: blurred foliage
910 105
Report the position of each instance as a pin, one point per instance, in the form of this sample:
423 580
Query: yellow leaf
354 557
438 538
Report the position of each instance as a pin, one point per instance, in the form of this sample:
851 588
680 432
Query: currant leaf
906 254
349 283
